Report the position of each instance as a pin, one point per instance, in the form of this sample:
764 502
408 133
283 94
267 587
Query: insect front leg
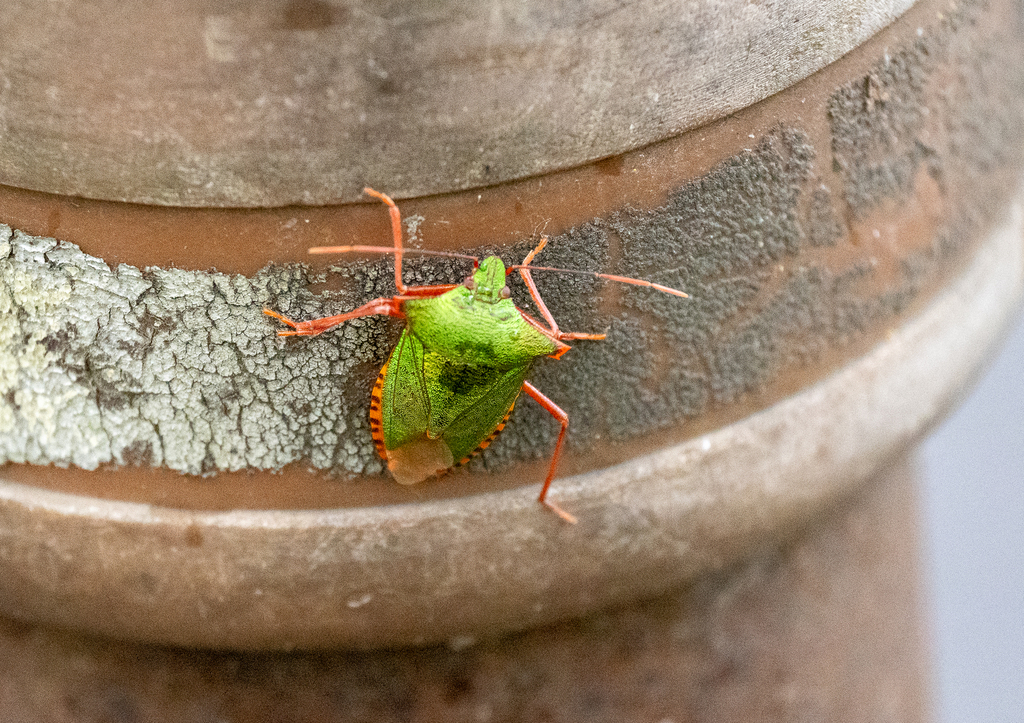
528 279
396 237
396 234
385 306
558 413
552 329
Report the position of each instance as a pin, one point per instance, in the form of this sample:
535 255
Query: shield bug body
461 363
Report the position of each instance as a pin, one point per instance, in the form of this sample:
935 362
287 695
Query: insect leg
552 329
396 233
537 249
386 306
541 306
415 292
558 413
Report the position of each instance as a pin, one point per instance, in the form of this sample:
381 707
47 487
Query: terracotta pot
838 198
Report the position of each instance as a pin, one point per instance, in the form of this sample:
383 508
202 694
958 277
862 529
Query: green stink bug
461 362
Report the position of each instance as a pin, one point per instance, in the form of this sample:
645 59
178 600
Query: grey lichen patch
814 311
164 367
46 324
823 226
665 360
721 238
876 130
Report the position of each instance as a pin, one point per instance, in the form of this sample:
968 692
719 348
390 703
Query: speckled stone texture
823 628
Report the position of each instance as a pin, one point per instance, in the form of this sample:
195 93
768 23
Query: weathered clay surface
179 369
801 253
385 575
274 103
824 626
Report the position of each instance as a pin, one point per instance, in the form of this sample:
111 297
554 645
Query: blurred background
973 501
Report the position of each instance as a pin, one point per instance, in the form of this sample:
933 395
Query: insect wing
406 405
471 428
425 395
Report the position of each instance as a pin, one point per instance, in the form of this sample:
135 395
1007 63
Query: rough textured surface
183 370
382 575
823 627
912 114
307 101
157 367
179 369
442 569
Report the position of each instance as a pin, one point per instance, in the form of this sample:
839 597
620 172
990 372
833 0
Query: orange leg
396 234
553 329
558 413
541 306
384 306
416 292
387 306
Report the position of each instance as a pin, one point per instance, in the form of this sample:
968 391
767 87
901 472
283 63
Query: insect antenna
389 250
609 277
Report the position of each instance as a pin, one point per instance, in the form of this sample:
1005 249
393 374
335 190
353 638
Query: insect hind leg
559 414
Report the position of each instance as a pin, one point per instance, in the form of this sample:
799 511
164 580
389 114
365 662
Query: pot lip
386 101
496 562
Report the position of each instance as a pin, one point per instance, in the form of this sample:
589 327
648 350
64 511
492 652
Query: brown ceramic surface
825 626
805 227
202 103
490 563
851 258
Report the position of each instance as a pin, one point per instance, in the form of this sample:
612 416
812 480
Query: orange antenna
609 277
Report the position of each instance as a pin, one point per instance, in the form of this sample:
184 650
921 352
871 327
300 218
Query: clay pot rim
495 562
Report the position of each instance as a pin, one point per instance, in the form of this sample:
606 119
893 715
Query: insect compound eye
469 283
505 293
